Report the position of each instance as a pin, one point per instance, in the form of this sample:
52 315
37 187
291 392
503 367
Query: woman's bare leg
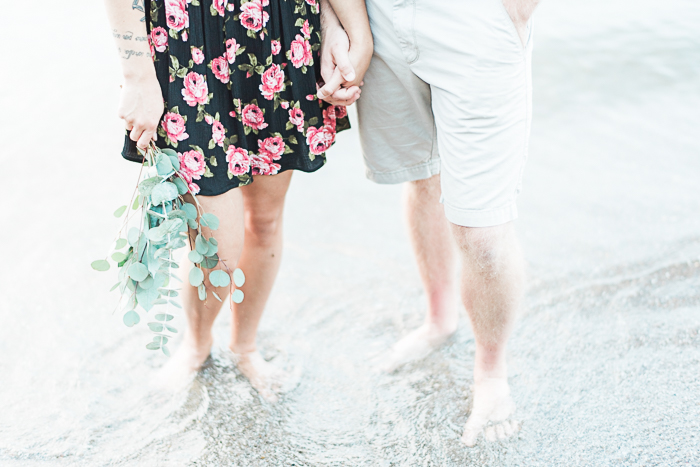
197 341
263 201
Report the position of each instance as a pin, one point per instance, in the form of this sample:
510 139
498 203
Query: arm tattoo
139 6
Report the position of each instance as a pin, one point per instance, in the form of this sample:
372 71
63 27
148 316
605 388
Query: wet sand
605 358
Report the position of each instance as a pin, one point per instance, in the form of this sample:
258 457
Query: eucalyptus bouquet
145 255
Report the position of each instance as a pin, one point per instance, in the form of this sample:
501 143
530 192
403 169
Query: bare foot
416 345
182 367
269 380
491 412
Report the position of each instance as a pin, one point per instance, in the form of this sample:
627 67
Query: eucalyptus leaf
160 301
166 191
160 339
165 350
147 283
175 304
136 203
195 256
201 244
156 327
213 241
181 185
164 317
190 210
137 272
118 256
219 278
153 346
120 211
209 220
217 297
210 262
133 236
213 249
237 296
171 329
115 286
164 167
196 277
202 292
147 297
147 186
100 265
121 243
238 277
192 224
131 318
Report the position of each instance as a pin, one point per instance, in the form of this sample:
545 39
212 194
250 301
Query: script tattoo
139 6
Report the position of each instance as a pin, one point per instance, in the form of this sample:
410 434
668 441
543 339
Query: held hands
343 66
141 108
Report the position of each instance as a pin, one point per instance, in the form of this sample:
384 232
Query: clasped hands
343 65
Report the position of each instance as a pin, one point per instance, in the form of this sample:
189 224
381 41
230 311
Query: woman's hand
141 108
336 67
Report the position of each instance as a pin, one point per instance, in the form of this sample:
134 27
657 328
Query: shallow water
605 359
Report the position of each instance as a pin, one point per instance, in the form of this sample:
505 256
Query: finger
135 134
343 63
331 86
129 126
145 139
346 93
327 67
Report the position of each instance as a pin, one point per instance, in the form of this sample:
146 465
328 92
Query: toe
469 437
490 434
508 428
500 431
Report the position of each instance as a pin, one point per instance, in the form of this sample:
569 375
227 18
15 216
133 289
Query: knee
483 248
264 227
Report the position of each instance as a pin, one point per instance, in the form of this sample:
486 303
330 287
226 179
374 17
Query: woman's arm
141 104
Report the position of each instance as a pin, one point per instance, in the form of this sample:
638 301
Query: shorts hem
409 174
481 217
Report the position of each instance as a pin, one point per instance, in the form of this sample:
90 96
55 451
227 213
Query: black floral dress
239 83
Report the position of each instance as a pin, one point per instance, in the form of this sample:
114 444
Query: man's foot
417 345
269 380
184 365
491 412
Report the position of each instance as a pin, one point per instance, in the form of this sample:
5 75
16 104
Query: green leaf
164 317
137 272
213 249
209 220
219 278
147 283
164 166
175 304
131 318
202 291
100 265
210 262
147 186
147 297
137 203
196 277
171 329
160 339
195 256
115 286
165 350
190 210
133 236
181 185
118 256
121 243
156 327
120 211
192 224
166 191
201 244
169 292
153 346
217 297
238 277
237 296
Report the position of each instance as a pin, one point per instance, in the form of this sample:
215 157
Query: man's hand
520 12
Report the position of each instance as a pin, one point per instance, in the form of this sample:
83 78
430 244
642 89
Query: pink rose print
300 52
174 126
253 117
305 29
219 66
187 177
252 15
184 36
232 113
217 132
341 111
329 117
195 90
159 39
272 147
261 164
276 47
220 6
176 15
296 118
319 139
284 105
231 48
193 163
197 55
312 2
238 160
272 81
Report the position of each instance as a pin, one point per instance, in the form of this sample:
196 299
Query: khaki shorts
449 91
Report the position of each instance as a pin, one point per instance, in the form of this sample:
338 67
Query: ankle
242 348
490 364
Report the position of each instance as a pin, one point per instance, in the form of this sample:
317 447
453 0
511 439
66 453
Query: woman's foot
269 380
184 364
492 412
416 345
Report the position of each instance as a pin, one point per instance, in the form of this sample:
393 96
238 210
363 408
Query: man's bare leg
492 285
198 339
260 261
434 250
